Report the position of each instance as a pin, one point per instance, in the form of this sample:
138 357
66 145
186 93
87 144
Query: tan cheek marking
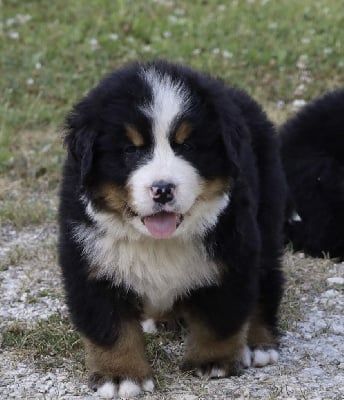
183 132
134 136
214 188
126 358
115 198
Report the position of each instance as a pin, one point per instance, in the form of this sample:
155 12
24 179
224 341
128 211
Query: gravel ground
311 362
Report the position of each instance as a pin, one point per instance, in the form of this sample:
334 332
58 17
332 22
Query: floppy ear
79 140
233 131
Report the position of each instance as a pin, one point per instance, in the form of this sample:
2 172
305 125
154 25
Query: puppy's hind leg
211 356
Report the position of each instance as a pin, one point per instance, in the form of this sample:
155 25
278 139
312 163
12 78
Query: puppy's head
153 149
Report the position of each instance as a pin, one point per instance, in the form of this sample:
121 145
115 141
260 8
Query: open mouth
163 224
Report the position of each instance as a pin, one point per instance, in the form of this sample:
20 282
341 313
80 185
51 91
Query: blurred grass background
52 52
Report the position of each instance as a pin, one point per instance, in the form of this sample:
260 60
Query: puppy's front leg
121 366
211 356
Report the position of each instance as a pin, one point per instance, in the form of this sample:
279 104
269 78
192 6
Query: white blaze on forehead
169 99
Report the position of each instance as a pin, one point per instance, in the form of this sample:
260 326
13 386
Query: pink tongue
161 225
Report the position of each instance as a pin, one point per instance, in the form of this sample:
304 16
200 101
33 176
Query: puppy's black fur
312 146
232 140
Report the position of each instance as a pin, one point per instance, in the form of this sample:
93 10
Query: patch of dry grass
305 276
48 343
28 191
39 252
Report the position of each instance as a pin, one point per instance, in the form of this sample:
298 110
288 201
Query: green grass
44 252
23 213
49 342
48 61
28 189
162 363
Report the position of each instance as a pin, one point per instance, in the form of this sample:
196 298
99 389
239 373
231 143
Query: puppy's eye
131 149
185 147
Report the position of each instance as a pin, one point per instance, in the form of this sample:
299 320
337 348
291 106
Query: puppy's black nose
162 192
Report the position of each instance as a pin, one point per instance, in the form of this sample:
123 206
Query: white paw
246 357
260 358
107 390
148 326
128 389
148 386
215 372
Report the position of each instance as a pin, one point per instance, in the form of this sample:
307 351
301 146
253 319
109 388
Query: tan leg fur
125 359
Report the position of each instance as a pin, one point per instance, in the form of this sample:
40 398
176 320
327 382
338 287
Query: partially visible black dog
312 146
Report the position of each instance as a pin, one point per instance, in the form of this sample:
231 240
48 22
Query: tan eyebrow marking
134 135
183 132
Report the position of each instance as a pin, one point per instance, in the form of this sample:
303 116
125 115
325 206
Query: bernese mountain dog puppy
172 201
312 147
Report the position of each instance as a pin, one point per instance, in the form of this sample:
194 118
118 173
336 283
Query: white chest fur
160 271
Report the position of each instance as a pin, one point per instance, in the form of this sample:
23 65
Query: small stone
313 371
336 280
185 397
337 328
330 293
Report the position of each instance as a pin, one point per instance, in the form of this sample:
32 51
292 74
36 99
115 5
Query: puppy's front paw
128 388
107 390
259 356
109 387
264 356
213 370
